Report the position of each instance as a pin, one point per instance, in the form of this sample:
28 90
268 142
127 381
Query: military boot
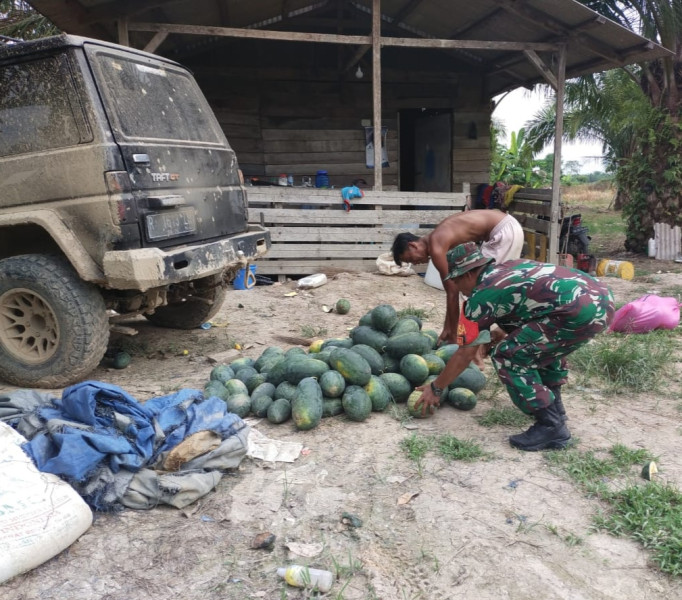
556 390
549 432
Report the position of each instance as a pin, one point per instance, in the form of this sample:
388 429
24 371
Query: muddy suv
119 196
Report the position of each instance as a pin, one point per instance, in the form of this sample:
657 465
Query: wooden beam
556 173
376 91
158 39
329 38
259 34
468 44
539 64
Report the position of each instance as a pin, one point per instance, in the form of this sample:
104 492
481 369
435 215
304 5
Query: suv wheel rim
28 326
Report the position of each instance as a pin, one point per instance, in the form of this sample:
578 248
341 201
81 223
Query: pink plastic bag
646 314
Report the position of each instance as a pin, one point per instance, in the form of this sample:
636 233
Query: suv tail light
118 182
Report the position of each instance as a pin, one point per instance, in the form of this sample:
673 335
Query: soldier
547 312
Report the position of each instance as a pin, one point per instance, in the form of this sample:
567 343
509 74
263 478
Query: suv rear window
35 109
154 101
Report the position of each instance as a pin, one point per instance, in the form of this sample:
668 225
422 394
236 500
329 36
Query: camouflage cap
463 258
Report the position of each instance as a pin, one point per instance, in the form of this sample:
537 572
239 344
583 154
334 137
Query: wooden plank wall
299 121
532 208
312 232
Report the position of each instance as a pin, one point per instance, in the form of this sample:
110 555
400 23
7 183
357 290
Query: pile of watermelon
382 361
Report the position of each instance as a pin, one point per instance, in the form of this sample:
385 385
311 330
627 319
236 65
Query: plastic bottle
306 577
312 281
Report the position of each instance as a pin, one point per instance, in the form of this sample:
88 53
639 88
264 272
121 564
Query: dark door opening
425 150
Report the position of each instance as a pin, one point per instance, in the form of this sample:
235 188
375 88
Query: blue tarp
96 427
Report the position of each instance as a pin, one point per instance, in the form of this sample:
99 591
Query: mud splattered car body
119 195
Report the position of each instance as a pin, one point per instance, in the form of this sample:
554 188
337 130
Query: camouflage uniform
547 312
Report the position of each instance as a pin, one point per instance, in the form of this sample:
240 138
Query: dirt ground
504 528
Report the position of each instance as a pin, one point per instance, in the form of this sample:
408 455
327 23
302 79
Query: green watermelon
414 368
356 403
404 326
331 407
222 373
446 351
215 388
378 393
375 360
408 343
264 389
471 378
285 390
342 306
332 384
240 363
279 411
260 405
398 385
354 368
236 386
413 410
435 363
306 409
384 317
239 404
245 373
462 398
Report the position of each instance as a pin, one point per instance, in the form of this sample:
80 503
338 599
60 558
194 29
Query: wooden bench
312 232
532 208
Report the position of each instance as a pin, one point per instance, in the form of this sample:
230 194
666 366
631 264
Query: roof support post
556 173
376 91
122 27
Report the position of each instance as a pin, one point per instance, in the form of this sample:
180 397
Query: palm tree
636 113
609 108
19 20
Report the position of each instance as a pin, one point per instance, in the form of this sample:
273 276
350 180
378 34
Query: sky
518 106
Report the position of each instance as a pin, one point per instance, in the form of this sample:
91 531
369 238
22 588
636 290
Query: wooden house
300 86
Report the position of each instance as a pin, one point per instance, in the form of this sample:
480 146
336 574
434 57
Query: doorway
426 150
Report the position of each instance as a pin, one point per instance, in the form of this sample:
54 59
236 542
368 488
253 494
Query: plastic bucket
322 179
432 277
615 268
244 280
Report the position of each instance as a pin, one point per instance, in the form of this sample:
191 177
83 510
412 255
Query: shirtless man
501 236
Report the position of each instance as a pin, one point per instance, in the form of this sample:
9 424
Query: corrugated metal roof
593 42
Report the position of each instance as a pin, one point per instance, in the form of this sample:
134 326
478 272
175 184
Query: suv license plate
164 225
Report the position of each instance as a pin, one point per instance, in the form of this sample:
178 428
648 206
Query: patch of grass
650 513
420 313
626 362
593 470
450 447
416 448
507 415
310 331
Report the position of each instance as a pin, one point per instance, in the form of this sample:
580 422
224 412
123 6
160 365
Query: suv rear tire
191 311
54 327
